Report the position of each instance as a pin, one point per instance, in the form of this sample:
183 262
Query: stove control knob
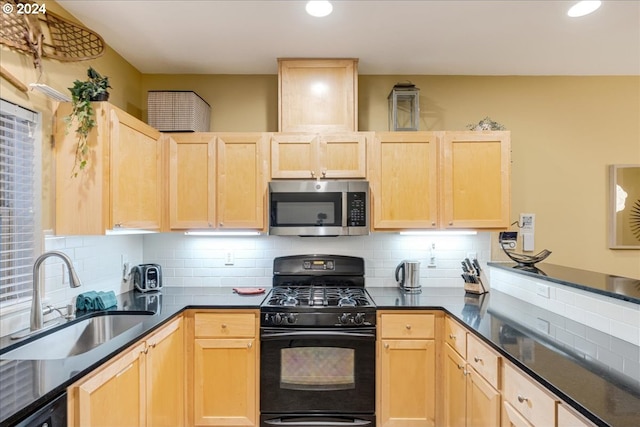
291 318
276 319
345 318
359 319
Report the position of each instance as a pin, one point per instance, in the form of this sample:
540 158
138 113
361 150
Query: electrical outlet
432 256
472 255
542 290
228 258
542 325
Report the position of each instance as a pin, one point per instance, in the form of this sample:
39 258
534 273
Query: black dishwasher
53 414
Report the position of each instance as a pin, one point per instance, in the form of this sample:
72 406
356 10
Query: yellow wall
123 77
565 131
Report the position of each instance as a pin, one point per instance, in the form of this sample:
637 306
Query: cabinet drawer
407 325
455 336
569 418
225 325
531 401
484 360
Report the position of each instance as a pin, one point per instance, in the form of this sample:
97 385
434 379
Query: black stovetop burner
318 296
318 291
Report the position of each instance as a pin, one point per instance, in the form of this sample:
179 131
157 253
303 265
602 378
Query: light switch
527 242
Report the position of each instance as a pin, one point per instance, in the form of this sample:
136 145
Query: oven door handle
351 423
317 334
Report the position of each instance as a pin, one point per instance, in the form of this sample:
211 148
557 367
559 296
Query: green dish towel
93 300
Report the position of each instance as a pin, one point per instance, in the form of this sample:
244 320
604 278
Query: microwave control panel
356 209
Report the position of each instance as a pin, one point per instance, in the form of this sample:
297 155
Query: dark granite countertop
511 326
26 385
619 287
603 395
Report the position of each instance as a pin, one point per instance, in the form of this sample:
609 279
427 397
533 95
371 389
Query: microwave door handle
344 208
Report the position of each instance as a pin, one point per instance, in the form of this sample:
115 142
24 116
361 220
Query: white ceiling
508 37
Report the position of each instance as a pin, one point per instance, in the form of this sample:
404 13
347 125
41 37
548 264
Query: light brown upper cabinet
403 172
317 95
217 180
476 171
313 155
121 186
440 180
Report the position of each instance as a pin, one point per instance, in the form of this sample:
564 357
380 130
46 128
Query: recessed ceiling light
583 8
319 8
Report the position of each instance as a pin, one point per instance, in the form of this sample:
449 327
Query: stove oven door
317 377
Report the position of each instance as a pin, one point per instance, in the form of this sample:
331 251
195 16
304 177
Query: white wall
200 261
614 317
96 259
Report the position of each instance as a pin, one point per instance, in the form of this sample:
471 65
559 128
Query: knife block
478 288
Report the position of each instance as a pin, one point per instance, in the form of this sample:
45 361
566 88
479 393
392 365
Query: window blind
19 195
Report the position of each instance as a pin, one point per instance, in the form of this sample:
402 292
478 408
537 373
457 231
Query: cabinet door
407 383
225 382
294 155
343 155
483 401
241 189
165 376
112 396
454 389
476 179
318 95
192 180
136 173
403 180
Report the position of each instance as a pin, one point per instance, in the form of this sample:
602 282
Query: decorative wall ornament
624 207
46 35
486 124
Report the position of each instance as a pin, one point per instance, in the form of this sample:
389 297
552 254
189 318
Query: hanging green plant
83 93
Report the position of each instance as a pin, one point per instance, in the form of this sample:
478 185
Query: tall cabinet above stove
317 95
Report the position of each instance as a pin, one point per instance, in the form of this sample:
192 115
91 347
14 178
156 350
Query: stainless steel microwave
319 208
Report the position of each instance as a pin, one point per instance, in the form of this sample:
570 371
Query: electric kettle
408 276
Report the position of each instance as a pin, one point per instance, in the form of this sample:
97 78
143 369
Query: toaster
147 277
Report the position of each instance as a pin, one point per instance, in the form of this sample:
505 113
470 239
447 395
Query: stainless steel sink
78 337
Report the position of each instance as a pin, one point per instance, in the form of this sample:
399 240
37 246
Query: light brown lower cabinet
143 386
406 369
469 399
525 403
567 417
224 374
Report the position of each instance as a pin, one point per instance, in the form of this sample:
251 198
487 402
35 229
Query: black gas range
317 337
318 291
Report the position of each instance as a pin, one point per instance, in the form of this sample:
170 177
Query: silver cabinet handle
249 345
313 174
386 345
453 337
522 399
408 327
477 359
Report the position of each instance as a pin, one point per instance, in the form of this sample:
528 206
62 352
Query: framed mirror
624 207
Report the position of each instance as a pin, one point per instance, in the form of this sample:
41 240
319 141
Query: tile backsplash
200 261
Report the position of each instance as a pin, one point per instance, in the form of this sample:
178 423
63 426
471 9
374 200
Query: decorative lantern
404 107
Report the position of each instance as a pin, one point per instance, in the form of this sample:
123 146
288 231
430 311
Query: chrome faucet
37 315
